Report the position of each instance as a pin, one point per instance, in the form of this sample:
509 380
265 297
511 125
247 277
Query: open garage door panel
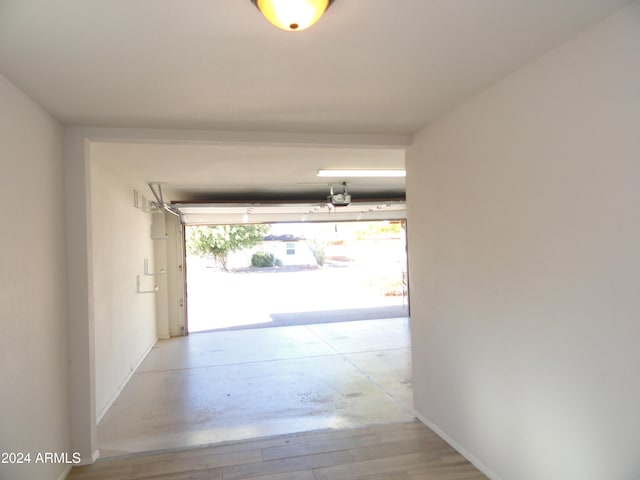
235 213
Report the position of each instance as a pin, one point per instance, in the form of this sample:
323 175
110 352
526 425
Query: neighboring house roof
282 238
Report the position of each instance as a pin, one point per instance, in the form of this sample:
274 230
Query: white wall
34 381
160 253
302 256
176 296
170 300
524 248
124 320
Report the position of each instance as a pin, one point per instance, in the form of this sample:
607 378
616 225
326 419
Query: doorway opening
280 274
328 364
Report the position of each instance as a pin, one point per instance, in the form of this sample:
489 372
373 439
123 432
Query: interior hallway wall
124 320
34 392
524 248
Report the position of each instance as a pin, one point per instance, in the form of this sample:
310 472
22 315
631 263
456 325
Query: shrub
217 241
263 260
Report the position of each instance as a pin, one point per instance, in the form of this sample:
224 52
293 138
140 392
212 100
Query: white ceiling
368 67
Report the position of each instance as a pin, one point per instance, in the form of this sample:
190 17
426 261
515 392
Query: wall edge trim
459 448
65 472
117 393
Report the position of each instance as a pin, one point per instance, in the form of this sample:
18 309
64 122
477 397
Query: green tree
216 242
378 229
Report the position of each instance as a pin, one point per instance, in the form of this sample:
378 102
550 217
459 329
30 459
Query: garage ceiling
240 183
196 172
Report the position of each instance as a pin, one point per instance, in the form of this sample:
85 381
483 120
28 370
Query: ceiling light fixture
292 15
363 173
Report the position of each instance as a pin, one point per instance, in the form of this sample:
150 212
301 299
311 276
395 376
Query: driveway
290 295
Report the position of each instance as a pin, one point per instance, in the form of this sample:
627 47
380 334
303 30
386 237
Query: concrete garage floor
233 385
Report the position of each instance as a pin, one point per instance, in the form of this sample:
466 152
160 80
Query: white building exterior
289 249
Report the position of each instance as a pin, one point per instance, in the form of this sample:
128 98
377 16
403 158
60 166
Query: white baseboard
114 397
95 455
65 472
460 449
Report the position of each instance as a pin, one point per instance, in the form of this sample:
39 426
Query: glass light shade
292 15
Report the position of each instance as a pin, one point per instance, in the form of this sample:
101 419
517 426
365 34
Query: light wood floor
400 451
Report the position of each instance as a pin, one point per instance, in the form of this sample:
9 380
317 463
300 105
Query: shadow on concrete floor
324 316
